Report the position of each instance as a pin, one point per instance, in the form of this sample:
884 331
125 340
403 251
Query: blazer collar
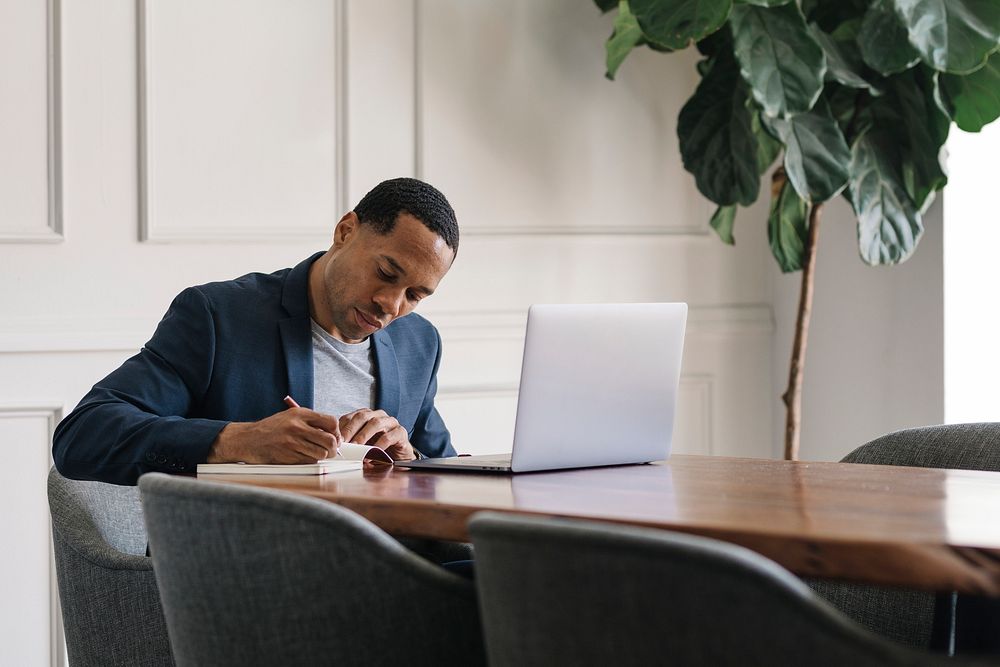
295 291
387 373
296 333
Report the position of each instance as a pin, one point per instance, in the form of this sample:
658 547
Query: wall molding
585 230
55 335
595 228
508 324
341 127
704 385
756 318
478 391
60 336
418 93
153 231
52 413
53 232
55 147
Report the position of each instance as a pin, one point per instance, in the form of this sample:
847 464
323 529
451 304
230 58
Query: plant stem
793 395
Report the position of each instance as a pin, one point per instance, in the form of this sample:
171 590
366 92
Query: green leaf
810 7
606 5
659 48
889 223
720 40
973 100
842 61
625 37
788 229
848 31
816 155
715 132
843 103
918 128
952 35
831 15
722 222
883 40
676 23
762 3
767 146
778 58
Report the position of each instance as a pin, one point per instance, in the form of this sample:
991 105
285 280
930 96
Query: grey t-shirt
342 374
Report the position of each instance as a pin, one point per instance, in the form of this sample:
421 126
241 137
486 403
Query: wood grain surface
913 527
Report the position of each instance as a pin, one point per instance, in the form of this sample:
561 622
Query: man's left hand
375 427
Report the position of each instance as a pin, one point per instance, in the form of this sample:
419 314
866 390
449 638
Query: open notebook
351 457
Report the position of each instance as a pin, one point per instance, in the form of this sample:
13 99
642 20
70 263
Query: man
334 333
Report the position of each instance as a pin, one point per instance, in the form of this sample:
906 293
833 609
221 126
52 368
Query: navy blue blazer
231 351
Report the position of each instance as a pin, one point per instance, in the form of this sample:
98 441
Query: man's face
367 280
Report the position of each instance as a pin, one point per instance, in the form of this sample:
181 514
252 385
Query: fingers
310 438
304 431
299 443
300 435
288 451
374 427
397 445
311 452
296 435
353 423
318 420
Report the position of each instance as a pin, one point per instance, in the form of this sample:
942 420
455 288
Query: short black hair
383 204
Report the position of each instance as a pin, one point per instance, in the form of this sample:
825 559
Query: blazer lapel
387 374
296 341
296 333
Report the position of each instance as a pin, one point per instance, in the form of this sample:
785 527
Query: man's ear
345 229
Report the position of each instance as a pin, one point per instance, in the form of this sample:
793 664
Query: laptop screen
598 384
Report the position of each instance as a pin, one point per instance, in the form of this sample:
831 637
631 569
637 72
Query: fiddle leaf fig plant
856 98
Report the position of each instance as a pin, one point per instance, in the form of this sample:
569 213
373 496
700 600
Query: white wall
240 132
569 189
971 279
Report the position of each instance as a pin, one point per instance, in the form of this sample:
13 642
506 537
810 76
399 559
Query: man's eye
386 276
413 296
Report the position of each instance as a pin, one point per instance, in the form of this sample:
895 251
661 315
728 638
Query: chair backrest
957 446
903 615
259 577
556 591
110 605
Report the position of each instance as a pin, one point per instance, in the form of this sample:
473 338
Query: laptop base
487 463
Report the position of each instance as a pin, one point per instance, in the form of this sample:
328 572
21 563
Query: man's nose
390 302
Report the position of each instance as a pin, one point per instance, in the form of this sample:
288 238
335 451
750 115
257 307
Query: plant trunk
793 395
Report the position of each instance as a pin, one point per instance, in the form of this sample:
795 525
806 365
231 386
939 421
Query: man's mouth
368 321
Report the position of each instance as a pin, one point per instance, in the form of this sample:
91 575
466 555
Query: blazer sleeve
430 437
134 420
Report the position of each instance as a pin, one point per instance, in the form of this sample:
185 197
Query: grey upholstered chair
903 615
253 576
110 604
561 592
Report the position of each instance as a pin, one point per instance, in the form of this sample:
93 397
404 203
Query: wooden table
913 527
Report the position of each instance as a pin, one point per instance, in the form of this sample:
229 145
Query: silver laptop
598 388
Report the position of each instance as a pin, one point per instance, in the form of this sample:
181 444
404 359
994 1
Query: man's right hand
296 435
